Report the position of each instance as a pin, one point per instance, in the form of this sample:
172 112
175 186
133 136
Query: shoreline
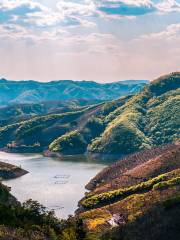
9 171
48 153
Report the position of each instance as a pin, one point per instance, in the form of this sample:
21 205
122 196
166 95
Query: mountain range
12 92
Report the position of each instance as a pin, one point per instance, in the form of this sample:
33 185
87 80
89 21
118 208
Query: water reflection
56 183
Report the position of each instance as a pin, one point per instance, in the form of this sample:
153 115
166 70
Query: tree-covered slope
18 112
148 119
37 133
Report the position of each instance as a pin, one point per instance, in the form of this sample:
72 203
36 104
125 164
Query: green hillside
21 112
38 132
129 124
148 119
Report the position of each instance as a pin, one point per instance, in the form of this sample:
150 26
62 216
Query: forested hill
148 119
35 92
123 126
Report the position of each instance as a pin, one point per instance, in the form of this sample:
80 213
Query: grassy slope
90 125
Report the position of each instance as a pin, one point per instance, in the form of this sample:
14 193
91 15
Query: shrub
115 195
166 184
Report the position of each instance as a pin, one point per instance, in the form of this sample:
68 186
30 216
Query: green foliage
150 118
69 143
95 125
30 213
40 122
116 195
109 107
124 134
165 83
172 202
42 129
4 193
166 184
162 123
31 220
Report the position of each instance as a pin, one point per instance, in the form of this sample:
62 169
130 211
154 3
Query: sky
100 40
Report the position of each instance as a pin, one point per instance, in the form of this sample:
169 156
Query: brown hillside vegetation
143 191
132 167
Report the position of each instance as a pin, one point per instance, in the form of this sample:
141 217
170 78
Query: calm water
56 183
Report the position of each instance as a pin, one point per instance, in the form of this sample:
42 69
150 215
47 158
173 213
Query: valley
125 151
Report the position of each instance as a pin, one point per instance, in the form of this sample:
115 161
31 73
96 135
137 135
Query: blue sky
90 39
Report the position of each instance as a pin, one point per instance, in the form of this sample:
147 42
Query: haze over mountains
34 92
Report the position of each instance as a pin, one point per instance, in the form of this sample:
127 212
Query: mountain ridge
35 92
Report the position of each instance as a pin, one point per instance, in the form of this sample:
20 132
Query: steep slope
141 201
36 92
137 167
148 119
89 126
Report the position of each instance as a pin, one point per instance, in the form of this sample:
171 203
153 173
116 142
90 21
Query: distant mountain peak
3 80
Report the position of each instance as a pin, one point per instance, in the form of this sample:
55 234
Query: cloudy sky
102 40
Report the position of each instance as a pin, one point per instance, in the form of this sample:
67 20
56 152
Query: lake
56 183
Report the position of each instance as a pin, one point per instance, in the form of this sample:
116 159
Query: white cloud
172 32
69 8
10 5
32 13
168 6
15 32
38 22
